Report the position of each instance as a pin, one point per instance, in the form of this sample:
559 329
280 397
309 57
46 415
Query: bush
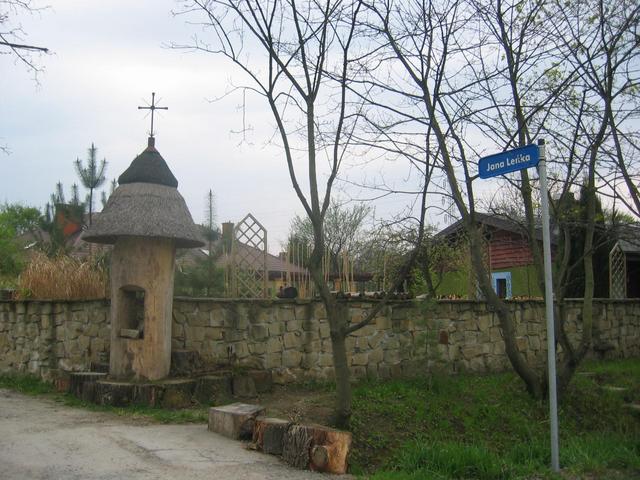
202 279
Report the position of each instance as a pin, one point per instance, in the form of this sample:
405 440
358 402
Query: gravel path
40 439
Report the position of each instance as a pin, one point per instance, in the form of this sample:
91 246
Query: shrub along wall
291 338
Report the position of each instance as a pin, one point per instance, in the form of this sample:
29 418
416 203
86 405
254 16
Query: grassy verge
462 427
30 385
489 428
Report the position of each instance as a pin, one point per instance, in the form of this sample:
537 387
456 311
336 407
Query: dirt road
40 439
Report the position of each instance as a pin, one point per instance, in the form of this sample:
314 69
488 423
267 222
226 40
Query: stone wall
291 338
45 337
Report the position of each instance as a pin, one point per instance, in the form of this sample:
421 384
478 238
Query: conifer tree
92 175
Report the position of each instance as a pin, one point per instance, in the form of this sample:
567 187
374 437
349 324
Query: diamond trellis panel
618 273
249 266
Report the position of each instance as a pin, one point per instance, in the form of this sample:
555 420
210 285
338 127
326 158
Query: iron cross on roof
153 107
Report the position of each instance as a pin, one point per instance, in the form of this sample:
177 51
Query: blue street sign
509 161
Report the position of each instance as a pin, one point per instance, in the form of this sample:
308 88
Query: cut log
336 444
296 446
234 421
213 390
78 379
319 456
268 434
316 447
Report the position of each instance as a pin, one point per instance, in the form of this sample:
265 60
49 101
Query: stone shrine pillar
141 307
145 220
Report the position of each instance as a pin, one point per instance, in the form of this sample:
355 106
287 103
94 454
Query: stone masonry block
274 345
291 340
258 332
286 314
291 358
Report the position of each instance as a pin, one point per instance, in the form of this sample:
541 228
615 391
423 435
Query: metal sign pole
548 295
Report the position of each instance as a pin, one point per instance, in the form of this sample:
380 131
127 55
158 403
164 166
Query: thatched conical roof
149 167
146 204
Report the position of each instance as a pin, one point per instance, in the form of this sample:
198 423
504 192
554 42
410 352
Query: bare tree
499 74
604 52
12 38
298 57
12 35
444 68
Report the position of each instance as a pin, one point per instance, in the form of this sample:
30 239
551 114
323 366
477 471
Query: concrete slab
44 440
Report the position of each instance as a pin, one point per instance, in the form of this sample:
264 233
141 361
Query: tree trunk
573 358
341 367
532 381
338 318
571 362
90 205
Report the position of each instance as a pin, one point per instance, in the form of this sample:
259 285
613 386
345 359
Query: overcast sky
106 59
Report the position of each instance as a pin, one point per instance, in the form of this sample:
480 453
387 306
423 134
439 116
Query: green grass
464 427
27 384
31 385
486 427
157 414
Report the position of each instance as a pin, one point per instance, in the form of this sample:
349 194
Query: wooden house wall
507 250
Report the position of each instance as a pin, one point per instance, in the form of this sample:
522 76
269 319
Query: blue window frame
501 282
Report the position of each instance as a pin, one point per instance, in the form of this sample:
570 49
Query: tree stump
318 448
268 434
213 390
89 390
78 379
61 381
115 394
150 394
178 393
234 421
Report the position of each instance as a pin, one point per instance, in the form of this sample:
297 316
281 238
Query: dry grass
62 278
